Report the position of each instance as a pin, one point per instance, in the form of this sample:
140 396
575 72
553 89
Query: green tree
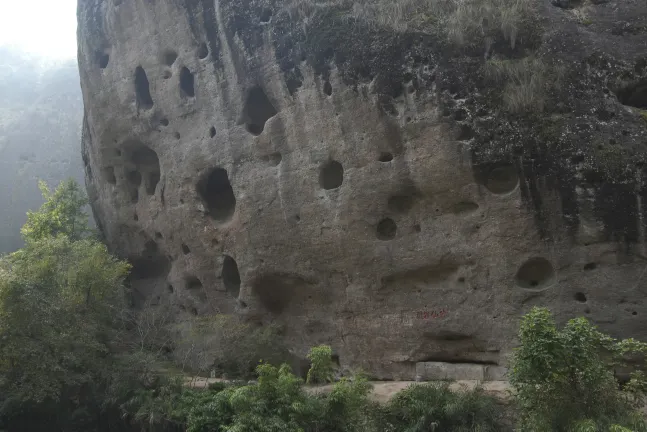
62 213
61 297
564 378
321 369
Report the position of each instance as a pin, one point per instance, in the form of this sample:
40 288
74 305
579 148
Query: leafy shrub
321 369
276 403
433 407
168 406
564 379
347 407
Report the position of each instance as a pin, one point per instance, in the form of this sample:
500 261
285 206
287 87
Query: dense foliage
565 380
60 297
278 402
321 370
430 407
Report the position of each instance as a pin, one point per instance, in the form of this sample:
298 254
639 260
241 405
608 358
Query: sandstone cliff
400 180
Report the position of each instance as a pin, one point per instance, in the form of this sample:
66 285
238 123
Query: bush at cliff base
564 378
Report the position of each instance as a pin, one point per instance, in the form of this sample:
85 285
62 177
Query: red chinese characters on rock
425 315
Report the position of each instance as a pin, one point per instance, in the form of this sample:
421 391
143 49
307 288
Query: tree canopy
62 213
61 297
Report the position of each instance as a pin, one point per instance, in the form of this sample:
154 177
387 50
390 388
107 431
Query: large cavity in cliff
258 110
217 194
634 94
142 89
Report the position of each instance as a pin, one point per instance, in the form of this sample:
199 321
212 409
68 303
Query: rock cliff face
399 185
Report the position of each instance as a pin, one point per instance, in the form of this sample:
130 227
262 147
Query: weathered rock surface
371 188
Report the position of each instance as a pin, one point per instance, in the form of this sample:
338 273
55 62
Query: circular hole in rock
212 132
170 288
194 311
331 175
327 88
580 297
230 276
536 273
590 266
142 89
187 83
502 179
185 249
193 283
167 74
634 313
266 15
169 57
158 235
386 229
103 59
203 51
385 157
164 122
255 129
217 195
147 167
177 135
258 110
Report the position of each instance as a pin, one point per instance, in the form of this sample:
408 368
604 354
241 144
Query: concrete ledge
436 371
496 373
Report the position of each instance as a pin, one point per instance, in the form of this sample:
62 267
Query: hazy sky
43 27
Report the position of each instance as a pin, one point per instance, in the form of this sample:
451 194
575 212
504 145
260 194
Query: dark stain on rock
208 26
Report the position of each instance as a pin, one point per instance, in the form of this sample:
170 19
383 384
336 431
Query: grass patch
461 22
525 82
